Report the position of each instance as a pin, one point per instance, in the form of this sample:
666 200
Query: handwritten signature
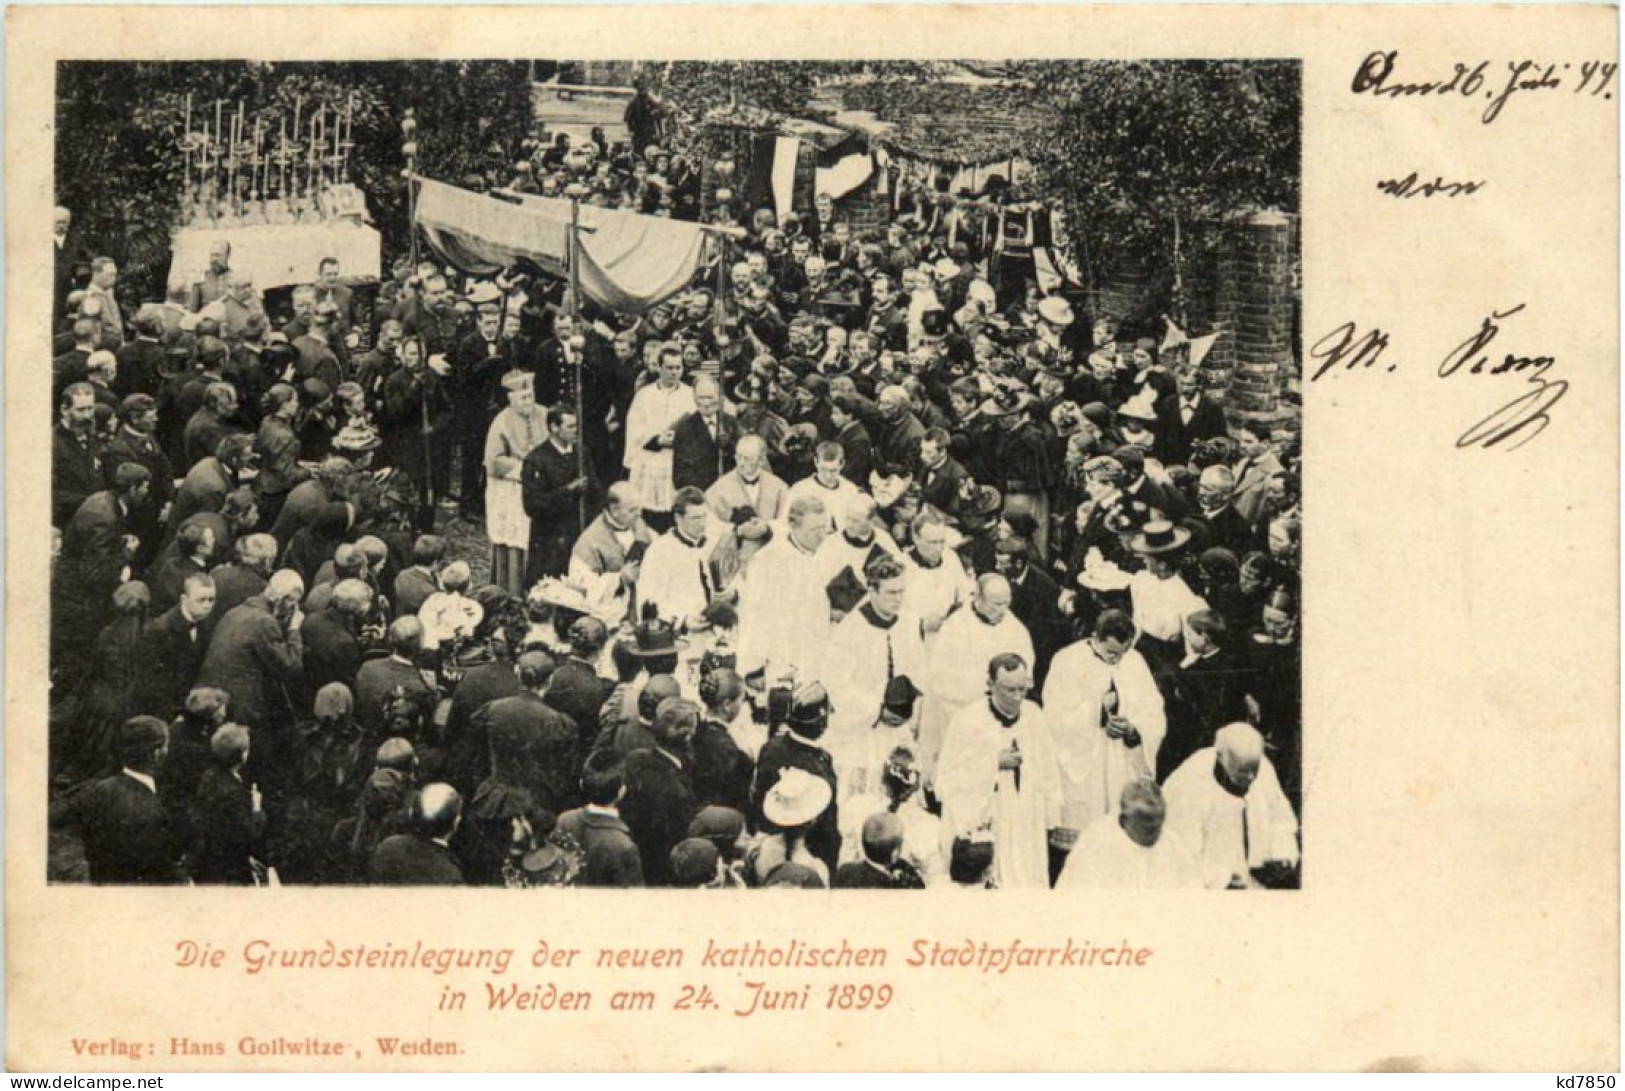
1375 77
1519 420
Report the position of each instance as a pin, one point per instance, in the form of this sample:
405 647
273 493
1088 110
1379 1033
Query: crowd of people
861 562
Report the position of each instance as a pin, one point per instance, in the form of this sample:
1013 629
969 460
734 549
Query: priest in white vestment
870 648
956 672
676 571
827 482
650 424
1227 806
998 778
938 582
1107 717
784 620
1131 850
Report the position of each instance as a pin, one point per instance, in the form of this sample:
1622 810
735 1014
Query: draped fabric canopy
629 262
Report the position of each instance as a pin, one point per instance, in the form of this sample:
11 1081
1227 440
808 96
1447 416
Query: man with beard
138 416
216 278
76 469
374 367
554 492
1225 526
257 655
432 318
887 321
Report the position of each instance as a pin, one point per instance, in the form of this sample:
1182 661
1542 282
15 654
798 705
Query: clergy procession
875 553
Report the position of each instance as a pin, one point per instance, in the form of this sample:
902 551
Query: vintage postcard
960 537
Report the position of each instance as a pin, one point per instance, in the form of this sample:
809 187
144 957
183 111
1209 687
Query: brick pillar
1124 287
1255 301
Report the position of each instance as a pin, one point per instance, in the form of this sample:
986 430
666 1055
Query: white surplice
1020 806
1230 834
863 657
654 410
784 611
956 671
1106 858
1095 767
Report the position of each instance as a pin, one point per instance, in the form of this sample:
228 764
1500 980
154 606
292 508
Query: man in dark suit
660 802
1198 416
332 648
941 476
1208 690
228 821
468 752
721 770
253 561
552 486
703 441
1225 525
478 364
533 746
73 366
415 584
882 841
1137 486
257 653
140 359
378 679
1034 600
612 855
128 836
178 640
135 443
76 469
97 544
853 438
423 857
209 482
577 690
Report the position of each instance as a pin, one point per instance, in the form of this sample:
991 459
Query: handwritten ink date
1513 424
1377 77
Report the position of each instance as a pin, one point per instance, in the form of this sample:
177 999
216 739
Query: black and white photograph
685 474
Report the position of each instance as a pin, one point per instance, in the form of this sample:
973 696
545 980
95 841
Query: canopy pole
573 254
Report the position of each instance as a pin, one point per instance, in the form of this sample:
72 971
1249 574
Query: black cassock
554 511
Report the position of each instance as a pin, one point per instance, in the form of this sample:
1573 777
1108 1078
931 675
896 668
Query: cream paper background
1461 687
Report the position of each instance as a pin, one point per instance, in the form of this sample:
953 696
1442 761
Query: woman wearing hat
1163 601
797 800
